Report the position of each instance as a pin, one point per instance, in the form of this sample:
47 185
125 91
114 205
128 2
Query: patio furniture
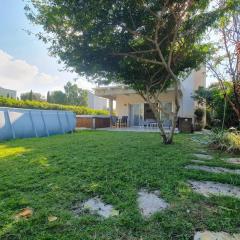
114 121
149 123
153 125
123 122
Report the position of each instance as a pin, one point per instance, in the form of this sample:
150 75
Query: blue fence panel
24 123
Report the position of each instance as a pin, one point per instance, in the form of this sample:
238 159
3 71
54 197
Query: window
166 115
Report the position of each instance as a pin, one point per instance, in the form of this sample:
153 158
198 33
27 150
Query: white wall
96 102
188 87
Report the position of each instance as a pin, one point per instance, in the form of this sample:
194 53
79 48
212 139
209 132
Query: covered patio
131 109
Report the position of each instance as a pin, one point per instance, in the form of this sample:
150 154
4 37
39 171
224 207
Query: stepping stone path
203 156
207 188
150 202
215 236
96 206
201 151
233 160
214 169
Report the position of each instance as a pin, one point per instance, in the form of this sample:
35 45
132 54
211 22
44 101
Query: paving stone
214 169
206 235
150 202
96 206
203 156
233 160
208 188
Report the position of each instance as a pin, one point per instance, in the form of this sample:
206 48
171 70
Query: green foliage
213 97
225 140
75 95
7 102
31 96
199 113
58 97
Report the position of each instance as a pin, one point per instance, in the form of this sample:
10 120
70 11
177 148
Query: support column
111 110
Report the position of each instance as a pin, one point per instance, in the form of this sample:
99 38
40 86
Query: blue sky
24 60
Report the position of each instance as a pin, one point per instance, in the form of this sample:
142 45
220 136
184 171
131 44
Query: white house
96 102
8 93
132 105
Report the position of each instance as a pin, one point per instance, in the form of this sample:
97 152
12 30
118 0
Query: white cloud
21 76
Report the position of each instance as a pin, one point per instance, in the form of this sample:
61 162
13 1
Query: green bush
199 114
79 110
225 140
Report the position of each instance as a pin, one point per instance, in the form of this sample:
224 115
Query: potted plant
199 114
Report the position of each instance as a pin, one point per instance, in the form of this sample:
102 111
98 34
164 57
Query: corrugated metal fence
25 123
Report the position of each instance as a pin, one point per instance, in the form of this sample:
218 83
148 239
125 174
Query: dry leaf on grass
52 218
24 213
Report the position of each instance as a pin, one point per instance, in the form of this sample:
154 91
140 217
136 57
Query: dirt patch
150 202
214 169
208 188
215 236
96 206
203 156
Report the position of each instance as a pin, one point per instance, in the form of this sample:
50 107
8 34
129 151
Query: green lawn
50 175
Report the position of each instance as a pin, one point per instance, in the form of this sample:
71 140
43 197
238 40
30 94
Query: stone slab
214 169
207 235
208 188
96 206
150 202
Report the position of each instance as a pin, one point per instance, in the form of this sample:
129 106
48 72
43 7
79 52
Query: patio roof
111 92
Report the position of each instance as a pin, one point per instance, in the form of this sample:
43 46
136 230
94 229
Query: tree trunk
167 136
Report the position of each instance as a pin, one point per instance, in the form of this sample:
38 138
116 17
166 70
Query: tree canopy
101 38
72 95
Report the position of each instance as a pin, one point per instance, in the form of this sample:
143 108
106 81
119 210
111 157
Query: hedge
79 110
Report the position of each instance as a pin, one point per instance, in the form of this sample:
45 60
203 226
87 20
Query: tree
148 45
225 63
214 99
75 95
56 97
49 97
32 96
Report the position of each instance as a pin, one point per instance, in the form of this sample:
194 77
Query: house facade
96 102
132 105
8 93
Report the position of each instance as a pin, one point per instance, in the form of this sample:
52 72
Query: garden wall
25 123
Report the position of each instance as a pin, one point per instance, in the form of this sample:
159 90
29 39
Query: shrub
79 110
225 140
199 113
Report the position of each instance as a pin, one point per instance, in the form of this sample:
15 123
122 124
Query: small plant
199 114
228 141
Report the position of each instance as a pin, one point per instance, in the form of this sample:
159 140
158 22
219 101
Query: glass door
136 114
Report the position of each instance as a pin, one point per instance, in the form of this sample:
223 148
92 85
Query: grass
53 174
